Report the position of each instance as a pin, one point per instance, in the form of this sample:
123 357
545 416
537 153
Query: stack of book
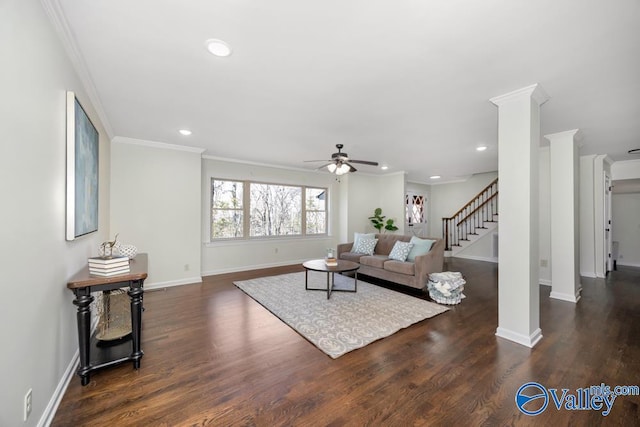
104 267
331 262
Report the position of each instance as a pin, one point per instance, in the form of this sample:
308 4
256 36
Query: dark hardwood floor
213 356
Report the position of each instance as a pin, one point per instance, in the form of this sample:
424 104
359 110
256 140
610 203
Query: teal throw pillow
358 236
400 251
420 247
365 246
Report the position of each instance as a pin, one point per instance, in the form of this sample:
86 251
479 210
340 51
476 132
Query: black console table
92 356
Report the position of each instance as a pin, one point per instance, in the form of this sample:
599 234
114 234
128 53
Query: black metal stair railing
472 217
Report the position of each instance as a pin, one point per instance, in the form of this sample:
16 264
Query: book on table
109 264
107 273
108 260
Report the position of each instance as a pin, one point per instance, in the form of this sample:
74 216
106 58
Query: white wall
155 205
38 331
628 169
545 216
391 198
626 227
227 256
365 193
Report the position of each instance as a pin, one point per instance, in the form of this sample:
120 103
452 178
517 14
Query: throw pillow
420 247
358 236
365 246
400 251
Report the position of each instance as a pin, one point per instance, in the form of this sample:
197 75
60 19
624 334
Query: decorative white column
518 150
565 215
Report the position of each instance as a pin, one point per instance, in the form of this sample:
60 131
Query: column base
527 341
566 297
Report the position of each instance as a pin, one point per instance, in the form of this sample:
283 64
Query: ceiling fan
340 162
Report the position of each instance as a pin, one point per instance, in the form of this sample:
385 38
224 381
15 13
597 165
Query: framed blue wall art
82 171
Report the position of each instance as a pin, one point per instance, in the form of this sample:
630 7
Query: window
414 208
243 209
276 210
316 210
227 213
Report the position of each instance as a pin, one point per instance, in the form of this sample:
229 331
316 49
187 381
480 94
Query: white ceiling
405 83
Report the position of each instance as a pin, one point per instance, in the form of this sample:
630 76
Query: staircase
475 219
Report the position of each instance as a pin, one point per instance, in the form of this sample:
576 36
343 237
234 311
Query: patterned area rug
345 322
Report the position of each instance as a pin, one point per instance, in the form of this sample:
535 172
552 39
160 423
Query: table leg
328 286
135 293
356 280
306 279
83 317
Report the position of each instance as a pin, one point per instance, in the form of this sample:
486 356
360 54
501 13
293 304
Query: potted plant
378 221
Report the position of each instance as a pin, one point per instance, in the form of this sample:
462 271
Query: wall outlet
621 256
186 267
276 250
544 263
27 404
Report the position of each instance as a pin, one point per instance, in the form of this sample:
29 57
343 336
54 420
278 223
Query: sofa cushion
358 236
386 242
365 246
408 268
374 260
420 247
400 251
351 256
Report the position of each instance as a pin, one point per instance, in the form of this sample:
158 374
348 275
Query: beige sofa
414 274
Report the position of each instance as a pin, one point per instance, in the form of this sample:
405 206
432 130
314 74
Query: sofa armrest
431 262
344 247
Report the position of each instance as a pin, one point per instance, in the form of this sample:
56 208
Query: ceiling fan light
342 169
331 167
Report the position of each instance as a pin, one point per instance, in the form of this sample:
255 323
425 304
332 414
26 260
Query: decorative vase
129 251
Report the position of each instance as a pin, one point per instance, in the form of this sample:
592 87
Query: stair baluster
471 217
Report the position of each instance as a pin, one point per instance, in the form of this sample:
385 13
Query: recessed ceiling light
218 47
435 177
481 148
384 168
185 132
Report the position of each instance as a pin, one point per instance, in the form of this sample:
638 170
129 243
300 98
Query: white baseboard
50 411
628 264
170 283
527 341
477 258
565 297
588 274
252 267
544 282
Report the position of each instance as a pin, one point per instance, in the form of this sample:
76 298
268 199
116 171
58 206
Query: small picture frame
82 171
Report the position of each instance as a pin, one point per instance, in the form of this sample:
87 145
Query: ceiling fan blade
323 160
364 162
351 168
324 166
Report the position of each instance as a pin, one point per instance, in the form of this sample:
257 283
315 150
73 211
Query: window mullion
246 209
303 213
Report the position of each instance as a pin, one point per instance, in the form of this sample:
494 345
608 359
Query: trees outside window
244 209
227 209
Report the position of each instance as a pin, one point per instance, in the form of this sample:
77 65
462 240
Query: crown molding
533 91
57 18
154 144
